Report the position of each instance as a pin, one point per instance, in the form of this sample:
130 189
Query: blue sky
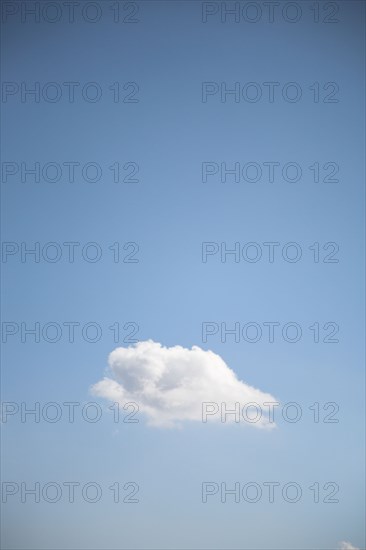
170 292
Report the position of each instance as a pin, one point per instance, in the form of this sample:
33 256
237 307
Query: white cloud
347 546
170 384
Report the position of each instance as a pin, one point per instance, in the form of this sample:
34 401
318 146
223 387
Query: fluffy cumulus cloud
347 546
170 384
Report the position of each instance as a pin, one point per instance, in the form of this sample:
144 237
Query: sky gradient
160 99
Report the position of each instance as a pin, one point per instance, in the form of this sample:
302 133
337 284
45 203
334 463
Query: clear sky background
170 292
